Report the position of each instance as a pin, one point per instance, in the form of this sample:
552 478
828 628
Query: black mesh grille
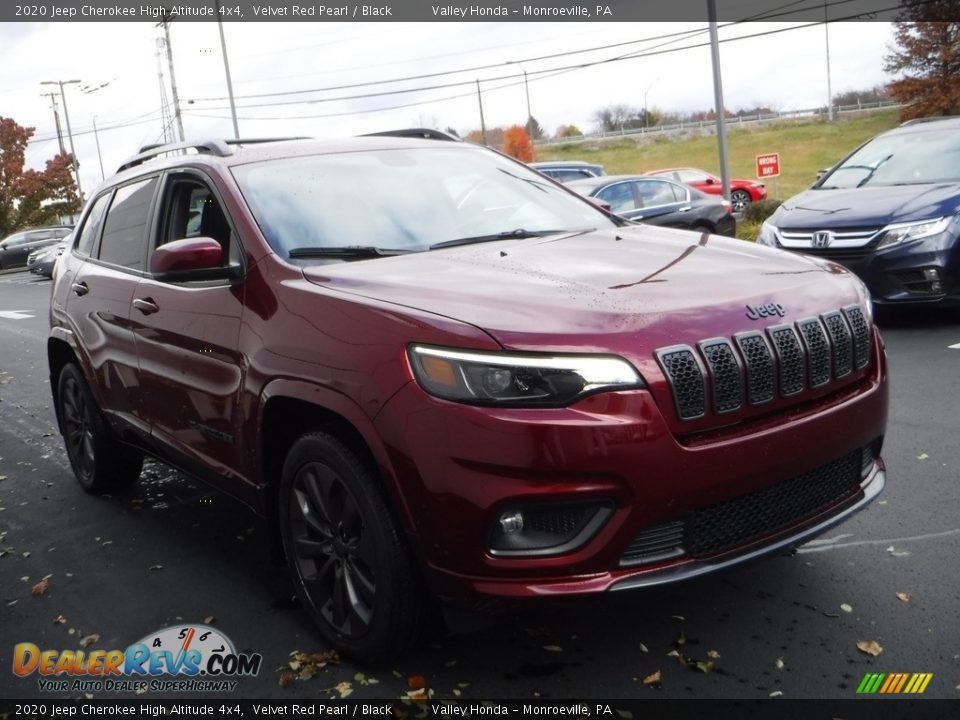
683 372
842 342
556 521
723 526
759 365
818 351
726 383
861 336
793 364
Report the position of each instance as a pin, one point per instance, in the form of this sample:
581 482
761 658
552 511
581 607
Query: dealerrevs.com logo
180 658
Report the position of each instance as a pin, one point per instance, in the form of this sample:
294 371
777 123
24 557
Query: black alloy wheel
99 460
346 555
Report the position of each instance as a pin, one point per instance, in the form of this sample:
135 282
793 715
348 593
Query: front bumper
457 469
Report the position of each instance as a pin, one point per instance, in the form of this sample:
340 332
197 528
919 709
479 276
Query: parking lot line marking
14 315
955 346
930 536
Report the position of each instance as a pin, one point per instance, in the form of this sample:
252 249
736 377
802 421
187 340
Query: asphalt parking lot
119 568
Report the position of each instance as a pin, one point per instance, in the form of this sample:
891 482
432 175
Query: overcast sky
785 70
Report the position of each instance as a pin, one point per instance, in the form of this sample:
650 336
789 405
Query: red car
439 374
742 192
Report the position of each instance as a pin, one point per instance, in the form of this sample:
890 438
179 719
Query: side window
655 192
125 228
192 210
91 226
15 241
692 176
620 197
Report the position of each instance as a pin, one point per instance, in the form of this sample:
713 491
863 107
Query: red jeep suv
438 373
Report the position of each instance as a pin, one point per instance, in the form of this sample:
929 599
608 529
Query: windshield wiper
348 251
518 234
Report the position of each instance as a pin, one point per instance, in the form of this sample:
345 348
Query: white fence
710 125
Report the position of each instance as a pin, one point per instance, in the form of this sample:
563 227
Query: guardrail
736 121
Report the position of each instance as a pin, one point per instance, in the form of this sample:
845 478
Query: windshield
408 199
911 158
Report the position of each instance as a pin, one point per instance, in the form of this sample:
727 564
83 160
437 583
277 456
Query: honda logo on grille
822 238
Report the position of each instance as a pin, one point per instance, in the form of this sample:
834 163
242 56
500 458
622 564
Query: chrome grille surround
758 366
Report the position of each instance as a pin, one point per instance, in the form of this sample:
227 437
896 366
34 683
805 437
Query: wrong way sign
768 165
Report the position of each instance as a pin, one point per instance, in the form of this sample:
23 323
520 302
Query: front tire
99 460
345 553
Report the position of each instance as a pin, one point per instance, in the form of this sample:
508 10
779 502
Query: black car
568 170
660 202
16 248
890 212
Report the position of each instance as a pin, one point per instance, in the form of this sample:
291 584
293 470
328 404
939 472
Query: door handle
80 288
146 305
685 208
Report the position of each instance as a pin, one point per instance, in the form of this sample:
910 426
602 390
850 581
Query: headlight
515 379
768 235
901 232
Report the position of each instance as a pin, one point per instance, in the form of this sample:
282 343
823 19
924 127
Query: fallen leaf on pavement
156 567
208 619
776 693
286 677
59 620
903 597
870 647
922 456
846 608
416 682
704 666
655 678
89 640
40 588
553 648
344 688
643 648
779 664
713 654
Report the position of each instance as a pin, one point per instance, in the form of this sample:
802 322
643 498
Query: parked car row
15 249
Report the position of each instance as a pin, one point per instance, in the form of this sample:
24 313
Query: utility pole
173 78
66 116
483 126
164 110
96 137
226 68
826 32
526 88
56 120
718 99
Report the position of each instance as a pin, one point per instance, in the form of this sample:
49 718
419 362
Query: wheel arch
291 408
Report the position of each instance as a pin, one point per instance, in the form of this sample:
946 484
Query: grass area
805 146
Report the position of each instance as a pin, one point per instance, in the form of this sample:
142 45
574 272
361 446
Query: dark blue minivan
890 212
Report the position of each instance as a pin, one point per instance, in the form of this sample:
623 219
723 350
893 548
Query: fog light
931 274
548 528
511 522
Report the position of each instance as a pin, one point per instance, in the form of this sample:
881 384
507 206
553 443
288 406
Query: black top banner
458 11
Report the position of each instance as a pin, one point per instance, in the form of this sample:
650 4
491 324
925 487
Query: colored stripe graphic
894 683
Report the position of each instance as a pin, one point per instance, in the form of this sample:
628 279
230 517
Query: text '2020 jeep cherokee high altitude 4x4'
440 373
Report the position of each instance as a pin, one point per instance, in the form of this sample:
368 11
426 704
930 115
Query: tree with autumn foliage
516 143
927 56
32 197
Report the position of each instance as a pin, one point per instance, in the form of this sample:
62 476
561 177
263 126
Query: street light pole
56 120
226 67
96 138
66 116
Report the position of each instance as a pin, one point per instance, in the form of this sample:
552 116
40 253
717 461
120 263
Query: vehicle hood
628 290
867 206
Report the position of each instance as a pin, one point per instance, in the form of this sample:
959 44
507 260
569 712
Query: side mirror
191 258
710 181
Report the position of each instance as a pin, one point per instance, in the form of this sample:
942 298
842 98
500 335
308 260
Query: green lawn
805 146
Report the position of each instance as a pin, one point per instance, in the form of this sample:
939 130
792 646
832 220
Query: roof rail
426 133
217 148
920 121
